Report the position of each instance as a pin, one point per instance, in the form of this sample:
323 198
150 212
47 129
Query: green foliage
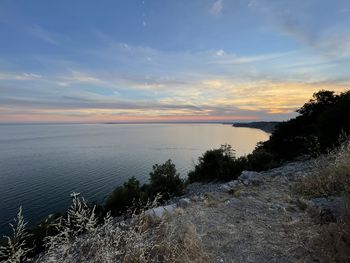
123 197
218 164
260 160
165 180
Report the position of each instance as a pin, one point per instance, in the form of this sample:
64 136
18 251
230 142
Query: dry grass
143 239
16 249
331 177
333 244
331 174
173 239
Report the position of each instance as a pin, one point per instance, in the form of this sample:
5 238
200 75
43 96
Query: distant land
170 122
267 126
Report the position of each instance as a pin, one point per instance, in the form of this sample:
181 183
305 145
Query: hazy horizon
224 122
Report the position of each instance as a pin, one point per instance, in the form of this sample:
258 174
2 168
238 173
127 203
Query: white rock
249 175
251 178
160 211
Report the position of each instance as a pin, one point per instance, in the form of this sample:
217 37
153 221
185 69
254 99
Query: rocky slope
254 219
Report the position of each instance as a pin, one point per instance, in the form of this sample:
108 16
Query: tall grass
16 249
330 174
331 177
142 238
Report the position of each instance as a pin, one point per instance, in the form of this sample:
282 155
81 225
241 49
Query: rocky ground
256 218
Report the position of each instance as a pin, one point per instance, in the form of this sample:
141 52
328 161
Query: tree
124 197
320 101
165 180
217 164
316 129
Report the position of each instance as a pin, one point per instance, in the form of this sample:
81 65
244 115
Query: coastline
266 126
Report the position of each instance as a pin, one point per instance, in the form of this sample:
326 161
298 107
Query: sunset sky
169 60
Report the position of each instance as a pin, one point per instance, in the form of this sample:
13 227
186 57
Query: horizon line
134 122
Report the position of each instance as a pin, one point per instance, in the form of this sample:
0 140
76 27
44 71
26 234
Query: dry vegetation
331 177
16 248
333 244
140 239
331 174
143 239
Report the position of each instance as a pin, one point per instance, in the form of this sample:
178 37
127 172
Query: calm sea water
40 165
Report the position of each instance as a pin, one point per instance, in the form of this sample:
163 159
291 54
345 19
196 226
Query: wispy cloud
319 25
217 7
41 33
206 85
19 76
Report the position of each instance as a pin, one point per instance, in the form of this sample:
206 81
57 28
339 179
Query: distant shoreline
266 126
261 125
145 122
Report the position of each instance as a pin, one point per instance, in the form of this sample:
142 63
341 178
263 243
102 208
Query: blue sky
97 61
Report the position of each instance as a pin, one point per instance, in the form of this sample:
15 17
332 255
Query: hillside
267 126
257 218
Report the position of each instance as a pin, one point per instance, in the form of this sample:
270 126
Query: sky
88 61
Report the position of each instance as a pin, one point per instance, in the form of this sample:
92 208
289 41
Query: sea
40 165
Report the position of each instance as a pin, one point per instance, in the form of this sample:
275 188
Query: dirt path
256 223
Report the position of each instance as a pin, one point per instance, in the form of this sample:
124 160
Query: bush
260 160
164 180
124 197
218 164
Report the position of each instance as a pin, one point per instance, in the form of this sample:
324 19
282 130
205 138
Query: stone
251 178
183 202
160 211
249 175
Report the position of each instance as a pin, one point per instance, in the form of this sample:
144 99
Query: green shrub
260 160
165 180
124 197
218 164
